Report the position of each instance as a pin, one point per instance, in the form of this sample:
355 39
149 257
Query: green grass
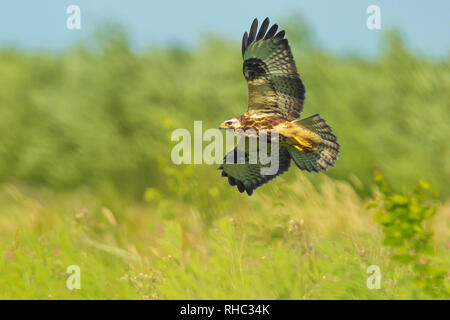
300 243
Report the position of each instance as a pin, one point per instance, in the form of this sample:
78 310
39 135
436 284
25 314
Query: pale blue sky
338 25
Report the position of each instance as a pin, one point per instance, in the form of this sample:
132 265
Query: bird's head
232 124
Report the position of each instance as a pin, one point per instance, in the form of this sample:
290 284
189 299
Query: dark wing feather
263 29
280 35
273 81
252 33
271 32
247 177
244 42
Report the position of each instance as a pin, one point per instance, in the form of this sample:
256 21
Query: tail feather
323 153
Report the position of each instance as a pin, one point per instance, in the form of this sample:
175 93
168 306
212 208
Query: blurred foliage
406 226
101 116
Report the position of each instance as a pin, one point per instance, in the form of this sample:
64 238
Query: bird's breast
260 122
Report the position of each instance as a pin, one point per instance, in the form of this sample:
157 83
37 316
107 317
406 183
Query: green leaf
398 199
424 185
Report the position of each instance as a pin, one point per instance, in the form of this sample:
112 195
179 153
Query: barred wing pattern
274 85
247 177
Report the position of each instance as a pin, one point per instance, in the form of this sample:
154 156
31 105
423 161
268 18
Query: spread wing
246 176
274 85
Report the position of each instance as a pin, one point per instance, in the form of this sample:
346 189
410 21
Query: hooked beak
223 126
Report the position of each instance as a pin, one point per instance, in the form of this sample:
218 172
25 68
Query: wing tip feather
254 35
250 186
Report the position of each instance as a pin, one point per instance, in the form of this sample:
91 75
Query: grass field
86 177
301 243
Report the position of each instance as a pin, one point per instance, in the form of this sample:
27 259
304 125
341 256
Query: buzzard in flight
275 100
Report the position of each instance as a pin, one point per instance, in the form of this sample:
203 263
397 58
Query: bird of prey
276 96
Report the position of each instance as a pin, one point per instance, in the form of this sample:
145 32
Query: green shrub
405 218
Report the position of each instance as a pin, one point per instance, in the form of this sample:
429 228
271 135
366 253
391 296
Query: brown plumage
276 96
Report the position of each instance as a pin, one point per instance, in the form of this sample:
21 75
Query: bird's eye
228 123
